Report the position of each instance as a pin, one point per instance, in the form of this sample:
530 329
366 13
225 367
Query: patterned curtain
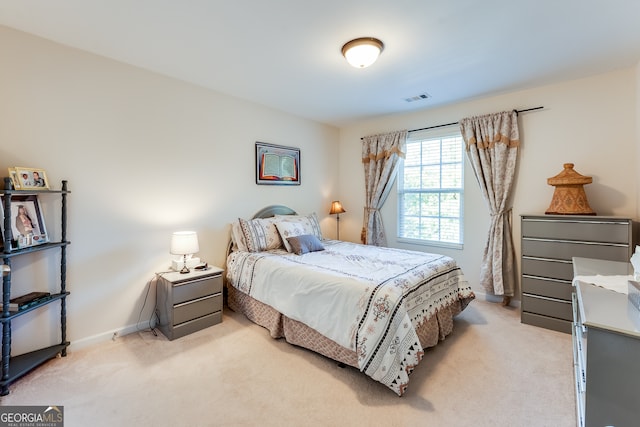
380 155
492 146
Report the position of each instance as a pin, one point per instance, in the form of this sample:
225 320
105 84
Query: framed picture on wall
27 222
277 164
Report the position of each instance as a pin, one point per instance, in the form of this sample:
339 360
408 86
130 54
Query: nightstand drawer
198 308
187 328
195 289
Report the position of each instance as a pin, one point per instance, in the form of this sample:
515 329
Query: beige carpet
492 371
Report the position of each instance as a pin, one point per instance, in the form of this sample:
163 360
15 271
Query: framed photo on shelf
14 178
277 165
27 222
29 178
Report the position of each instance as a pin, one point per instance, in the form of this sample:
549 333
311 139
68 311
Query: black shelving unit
17 366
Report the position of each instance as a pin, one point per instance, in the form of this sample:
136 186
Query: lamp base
177 264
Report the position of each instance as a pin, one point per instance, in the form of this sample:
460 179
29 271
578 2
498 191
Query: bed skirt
430 332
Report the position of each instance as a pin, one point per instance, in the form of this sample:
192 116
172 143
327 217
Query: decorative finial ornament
569 197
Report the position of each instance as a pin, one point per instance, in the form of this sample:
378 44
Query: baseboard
515 303
107 336
115 333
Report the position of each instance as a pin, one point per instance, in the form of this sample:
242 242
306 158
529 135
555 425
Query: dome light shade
362 52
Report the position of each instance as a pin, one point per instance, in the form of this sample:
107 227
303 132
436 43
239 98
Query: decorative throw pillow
290 229
260 234
310 222
304 244
237 237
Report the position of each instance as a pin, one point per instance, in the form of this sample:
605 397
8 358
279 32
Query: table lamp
184 243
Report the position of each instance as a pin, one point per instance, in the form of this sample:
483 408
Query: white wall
590 122
145 155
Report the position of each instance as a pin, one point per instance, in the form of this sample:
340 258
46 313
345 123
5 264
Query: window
430 189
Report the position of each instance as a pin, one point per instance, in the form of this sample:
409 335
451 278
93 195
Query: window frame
432 134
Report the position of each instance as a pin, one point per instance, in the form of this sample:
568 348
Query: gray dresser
606 345
548 244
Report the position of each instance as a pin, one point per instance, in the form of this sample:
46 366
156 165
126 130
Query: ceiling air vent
421 97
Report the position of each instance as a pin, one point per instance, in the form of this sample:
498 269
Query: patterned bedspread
365 298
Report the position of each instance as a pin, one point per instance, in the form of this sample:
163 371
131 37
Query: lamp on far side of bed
184 243
337 209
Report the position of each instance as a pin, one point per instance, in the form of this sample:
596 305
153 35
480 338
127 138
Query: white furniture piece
606 345
548 244
189 302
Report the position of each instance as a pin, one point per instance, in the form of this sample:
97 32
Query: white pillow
295 225
260 234
310 221
237 237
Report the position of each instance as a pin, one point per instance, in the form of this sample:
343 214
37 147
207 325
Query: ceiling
285 54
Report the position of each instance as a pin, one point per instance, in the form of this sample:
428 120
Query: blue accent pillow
304 244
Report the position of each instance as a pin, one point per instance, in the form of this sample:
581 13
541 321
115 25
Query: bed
372 308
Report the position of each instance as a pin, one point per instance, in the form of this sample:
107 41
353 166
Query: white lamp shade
184 243
362 52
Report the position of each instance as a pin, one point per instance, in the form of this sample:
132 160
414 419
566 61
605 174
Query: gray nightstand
189 302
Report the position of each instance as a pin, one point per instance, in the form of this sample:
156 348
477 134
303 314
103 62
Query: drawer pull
528 276
192 281
533 258
563 221
578 242
197 300
561 261
546 298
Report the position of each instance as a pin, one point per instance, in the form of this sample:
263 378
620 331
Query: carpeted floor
492 371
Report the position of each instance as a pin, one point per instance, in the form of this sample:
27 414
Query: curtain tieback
371 209
504 212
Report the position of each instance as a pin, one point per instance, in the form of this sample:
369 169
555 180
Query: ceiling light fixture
362 52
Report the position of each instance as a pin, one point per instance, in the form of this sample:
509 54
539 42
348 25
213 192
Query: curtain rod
455 123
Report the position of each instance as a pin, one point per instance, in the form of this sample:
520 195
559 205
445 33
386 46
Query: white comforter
365 298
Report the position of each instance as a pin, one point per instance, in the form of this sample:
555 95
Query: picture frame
14 178
27 222
29 178
277 164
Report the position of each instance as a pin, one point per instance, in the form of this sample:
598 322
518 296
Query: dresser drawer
196 289
606 231
565 250
197 308
547 287
547 306
542 267
547 322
